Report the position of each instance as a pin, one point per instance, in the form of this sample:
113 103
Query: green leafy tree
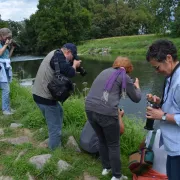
175 28
57 22
3 23
118 19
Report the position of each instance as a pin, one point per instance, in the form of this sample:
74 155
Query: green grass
124 45
74 118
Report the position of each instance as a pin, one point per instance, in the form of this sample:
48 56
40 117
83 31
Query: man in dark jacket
50 108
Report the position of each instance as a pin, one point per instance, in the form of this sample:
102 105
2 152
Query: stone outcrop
86 176
18 140
40 160
63 166
71 143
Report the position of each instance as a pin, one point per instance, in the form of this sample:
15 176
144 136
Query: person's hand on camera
153 113
121 112
13 44
76 63
136 83
153 98
8 41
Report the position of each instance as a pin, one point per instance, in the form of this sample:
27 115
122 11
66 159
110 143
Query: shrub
74 112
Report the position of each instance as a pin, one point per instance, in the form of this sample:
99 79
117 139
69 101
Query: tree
57 22
175 27
3 23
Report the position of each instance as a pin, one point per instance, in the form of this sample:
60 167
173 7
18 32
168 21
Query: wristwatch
164 117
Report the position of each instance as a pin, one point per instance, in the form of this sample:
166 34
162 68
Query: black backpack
61 87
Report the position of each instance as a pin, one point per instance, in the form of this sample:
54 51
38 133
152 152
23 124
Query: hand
8 41
153 113
136 83
153 98
121 112
76 63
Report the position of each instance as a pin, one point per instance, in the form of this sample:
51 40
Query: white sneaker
106 171
13 110
7 113
114 178
121 178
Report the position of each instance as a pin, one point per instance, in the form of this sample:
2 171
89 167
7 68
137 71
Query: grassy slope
74 118
126 45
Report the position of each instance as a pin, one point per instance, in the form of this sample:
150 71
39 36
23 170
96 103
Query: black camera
14 43
81 70
150 122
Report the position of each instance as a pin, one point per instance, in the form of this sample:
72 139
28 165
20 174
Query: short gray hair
5 32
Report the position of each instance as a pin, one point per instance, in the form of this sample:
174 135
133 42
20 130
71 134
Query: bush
133 136
74 112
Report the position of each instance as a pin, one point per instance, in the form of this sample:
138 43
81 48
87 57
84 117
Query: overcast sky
17 10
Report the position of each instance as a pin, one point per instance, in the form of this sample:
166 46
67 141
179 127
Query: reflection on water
26 58
150 82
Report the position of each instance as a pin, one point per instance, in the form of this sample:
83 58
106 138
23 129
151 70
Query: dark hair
160 49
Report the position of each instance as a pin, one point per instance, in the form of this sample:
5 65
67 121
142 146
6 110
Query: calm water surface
25 67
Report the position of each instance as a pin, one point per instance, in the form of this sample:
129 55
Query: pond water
25 67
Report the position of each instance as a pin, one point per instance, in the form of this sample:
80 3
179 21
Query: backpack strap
56 62
152 140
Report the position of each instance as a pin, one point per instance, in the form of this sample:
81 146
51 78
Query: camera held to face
14 43
150 122
81 70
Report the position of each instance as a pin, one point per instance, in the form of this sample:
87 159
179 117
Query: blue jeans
172 167
54 118
5 96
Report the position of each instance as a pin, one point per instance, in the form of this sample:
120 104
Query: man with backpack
68 62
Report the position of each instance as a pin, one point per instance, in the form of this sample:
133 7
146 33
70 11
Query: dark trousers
173 167
108 132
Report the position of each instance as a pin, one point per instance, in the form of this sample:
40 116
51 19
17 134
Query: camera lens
149 124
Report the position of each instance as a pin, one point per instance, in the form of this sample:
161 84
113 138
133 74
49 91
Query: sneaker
13 110
121 178
7 113
106 171
114 178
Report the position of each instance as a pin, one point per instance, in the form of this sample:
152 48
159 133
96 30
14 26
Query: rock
89 177
63 165
20 154
6 178
18 140
41 130
30 177
15 125
44 144
40 160
73 144
26 132
1 132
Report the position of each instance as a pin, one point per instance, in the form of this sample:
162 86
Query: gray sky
17 10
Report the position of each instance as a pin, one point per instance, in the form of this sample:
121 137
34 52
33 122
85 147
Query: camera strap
56 62
164 86
152 140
